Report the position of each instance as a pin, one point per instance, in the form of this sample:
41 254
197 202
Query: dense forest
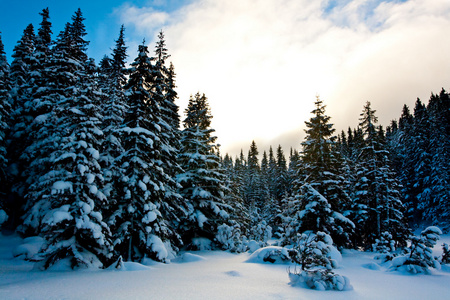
93 158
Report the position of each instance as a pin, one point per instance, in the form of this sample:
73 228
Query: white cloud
262 62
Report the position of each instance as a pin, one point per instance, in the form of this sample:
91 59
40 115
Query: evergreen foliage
313 252
321 193
4 127
419 258
377 204
203 179
140 219
92 159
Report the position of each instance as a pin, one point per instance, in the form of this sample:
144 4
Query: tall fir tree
5 109
140 220
203 180
114 106
19 136
67 197
438 209
321 193
164 91
377 206
37 106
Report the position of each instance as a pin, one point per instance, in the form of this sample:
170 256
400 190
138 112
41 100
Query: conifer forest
99 161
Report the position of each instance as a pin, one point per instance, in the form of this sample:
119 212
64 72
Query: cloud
261 63
143 20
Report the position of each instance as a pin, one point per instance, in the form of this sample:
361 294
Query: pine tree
378 207
239 217
419 257
140 219
4 118
18 137
280 174
37 106
254 195
203 181
272 173
114 105
438 209
67 197
164 91
313 253
322 189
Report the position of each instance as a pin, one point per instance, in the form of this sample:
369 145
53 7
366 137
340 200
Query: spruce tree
114 106
322 189
5 109
377 206
280 174
38 105
67 197
438 209
254 197
140 219
203 180
164 91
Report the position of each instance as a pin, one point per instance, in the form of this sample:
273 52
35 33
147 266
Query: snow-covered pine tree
418 155
163 91
169 107
288 203
239 173
377 205
280 174
419 257
67 196
18 137
271 207
37 106
255 193
321 193
239 215
315 253
437 209
113 105
272 172
203 181
139 223
445 258
5 109
294 165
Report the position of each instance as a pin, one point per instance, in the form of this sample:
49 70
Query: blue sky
261 63
102 20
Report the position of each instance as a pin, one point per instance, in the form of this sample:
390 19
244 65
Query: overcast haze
262 63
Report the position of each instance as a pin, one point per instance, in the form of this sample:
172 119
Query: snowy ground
211 275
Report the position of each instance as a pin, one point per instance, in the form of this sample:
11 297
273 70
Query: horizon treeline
93 159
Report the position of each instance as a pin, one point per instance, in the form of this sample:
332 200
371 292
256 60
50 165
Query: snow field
209 275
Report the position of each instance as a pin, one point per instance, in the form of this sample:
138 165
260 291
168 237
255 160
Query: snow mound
134 266
319 279
445 268
271 254
253 246
188 257
371 266
201 244
122 266
335 255
3 217
29 248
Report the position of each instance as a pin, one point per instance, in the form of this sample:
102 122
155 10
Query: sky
262 63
